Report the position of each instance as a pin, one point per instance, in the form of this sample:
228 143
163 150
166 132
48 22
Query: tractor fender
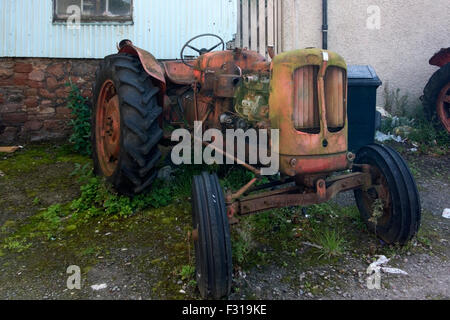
149 62
441 58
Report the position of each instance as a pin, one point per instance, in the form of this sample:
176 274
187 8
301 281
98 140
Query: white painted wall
411 32
160 26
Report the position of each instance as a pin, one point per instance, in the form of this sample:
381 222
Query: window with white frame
94 10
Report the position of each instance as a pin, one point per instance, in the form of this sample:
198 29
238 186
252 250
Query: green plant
394 102
82 172
98 200
331 242
242 241
81 123
421 132
389 124
187 272
429 137
378 211
15 244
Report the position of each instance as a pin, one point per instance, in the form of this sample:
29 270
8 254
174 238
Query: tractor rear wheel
391 207
212 239
436 97
125 128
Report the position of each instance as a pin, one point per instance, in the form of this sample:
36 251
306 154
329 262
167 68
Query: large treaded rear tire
213 247
432 90
140 131
402 216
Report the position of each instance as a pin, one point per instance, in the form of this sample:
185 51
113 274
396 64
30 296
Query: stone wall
33 96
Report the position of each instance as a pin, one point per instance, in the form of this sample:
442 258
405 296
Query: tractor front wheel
211 238
391 206
125 128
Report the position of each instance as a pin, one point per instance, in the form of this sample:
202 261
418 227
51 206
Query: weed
331 242
242 241
16 244
82 172
81 123
192 283
377 211
419 130
354 215
187 272
395 103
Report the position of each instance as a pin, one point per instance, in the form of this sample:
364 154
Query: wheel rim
378 191
443 107
108 128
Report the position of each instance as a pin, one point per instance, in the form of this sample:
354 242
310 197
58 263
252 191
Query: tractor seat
179 73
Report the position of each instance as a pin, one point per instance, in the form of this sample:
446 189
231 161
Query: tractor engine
232 90
302 93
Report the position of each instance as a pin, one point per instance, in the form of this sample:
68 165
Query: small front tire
213 258
391 206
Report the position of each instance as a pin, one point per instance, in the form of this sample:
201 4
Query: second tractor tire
433 89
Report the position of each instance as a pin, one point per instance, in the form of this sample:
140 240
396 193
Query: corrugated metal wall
160 26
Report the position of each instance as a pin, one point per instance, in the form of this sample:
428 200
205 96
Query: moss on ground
34 156
77 217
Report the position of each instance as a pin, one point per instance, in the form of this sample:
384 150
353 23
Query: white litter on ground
446 214
309 244
98 287
377 266
383 112
394 271
382 137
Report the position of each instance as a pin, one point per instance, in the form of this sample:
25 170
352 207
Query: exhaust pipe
325 24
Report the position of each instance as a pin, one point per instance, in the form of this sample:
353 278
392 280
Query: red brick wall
33 96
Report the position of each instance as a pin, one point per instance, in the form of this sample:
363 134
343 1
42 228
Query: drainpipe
325 24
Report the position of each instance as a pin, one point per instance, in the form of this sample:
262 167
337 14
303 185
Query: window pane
62 5
92 9
120 7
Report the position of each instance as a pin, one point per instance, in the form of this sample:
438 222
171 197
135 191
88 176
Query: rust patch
441 58
293 197
315 149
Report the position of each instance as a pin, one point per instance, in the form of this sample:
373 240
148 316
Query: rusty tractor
436 98
302 93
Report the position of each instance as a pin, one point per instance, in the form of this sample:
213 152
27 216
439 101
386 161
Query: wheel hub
378 192
443 107
108 128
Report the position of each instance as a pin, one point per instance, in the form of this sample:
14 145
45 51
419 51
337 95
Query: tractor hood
308 104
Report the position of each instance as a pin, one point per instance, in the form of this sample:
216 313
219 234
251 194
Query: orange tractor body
301 94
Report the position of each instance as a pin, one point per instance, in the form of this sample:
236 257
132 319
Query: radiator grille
335 98
306 102
306 111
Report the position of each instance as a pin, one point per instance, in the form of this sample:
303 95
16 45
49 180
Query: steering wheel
203 50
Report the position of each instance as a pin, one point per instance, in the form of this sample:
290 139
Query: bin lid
360 75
